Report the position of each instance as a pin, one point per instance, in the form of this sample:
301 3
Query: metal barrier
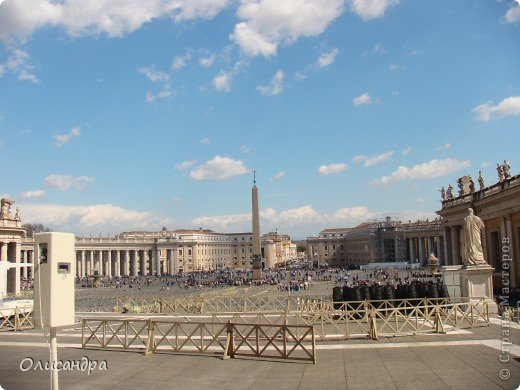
16 318
172 335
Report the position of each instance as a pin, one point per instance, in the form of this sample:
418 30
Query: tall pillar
3 252
170 260
118 263
157 253
429 246
109 263
142 262
25 261
133 259
446 235
509 234
83 264
126 263
256 256
421 250
411 257
455 245
151 261
16 273
30 271
438 249
88 262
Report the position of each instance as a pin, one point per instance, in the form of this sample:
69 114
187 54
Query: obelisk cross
254 177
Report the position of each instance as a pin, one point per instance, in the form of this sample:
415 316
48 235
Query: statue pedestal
473 282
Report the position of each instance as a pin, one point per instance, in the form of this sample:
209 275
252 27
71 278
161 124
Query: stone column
438 249
455 245
158 261
134 259
411 256
3 252
446 237
31 261
429 246
78 264
126 263
142 262
509 234
88 262
152 262
24 261
171 262
109 263
83 264
421 250
16 273
118 263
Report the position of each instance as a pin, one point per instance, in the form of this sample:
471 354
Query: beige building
381 241
166 252
498 205
11 233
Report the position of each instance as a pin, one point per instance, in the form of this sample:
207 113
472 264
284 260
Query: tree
301 248
32 228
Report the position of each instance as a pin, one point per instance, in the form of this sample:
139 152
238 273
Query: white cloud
327 59
373 160
393 67
513 13
371 9
280 175
507 107
21 18
65 182
179 62
17 62
418 200
332 169
176 199
185 165
323 61
36 194
62 139
92 219
362 100
245 149
205 141
220 168
443 147
153 74
268 23
275 87
222 82
428 170
299 221
159 77
406 151
485 164
207 61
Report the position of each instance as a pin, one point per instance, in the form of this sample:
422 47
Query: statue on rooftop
5 208
18 214
501 175
481 180
507 170
443 193
449 192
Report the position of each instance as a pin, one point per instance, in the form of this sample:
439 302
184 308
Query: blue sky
155 113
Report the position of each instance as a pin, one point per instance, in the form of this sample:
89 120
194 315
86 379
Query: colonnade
421 247
123 262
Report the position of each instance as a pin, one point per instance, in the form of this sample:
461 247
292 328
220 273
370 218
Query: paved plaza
462 359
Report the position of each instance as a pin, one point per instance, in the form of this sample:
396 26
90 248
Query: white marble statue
470 241
481 180
500 171
507 170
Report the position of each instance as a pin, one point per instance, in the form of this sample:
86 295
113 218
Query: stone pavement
466 359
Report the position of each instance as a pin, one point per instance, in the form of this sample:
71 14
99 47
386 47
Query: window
180 252
189 252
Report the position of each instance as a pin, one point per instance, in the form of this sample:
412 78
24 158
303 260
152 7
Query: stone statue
449 192
6 208
500 170
443 194
471 185
481 180
470 241
18 214
460 184
507 170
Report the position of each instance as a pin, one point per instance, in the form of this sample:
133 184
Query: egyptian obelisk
256 257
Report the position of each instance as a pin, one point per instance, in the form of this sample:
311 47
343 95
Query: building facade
382 241
498 205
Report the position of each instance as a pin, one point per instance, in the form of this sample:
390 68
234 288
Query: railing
16 318
172 335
